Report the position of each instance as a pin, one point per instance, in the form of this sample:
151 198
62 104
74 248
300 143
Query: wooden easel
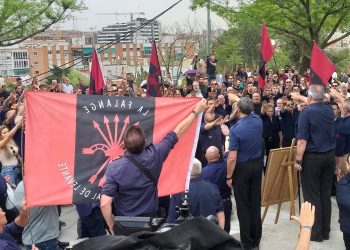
286 171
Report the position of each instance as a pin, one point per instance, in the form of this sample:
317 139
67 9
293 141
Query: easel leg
280 201
264 214
291 192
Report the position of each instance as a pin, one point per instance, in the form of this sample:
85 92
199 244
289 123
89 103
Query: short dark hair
18 79
134 139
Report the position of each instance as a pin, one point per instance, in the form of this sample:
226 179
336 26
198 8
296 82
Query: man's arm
22 219
231 164
212 124
106 209
301 145
187 122
221 219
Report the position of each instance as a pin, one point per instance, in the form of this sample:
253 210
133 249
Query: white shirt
67 88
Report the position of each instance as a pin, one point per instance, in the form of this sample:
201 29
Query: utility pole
208 28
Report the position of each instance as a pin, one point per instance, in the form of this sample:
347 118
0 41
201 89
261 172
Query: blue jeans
10 171
46 245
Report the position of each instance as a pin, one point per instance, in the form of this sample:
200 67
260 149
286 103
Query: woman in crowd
271 129
9 152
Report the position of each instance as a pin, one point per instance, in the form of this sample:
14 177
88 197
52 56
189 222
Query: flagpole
274 59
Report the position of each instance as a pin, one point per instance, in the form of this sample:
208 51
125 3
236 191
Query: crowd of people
240 125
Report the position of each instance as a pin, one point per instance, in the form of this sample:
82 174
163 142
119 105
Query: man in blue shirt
244 171
215 172
315 158
13 229
135 194
204 198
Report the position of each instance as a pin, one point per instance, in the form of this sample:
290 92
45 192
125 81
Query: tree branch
337 39
289 32
21 39
27 21
333 11
335 27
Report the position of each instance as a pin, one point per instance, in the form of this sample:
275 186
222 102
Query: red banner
266 53
70 139
321 67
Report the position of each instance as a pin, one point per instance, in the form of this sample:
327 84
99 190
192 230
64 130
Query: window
35 53
20 55
36 63
36 71
57 51
49 52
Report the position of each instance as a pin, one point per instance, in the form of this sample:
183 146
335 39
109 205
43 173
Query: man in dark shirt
204 198
289 115
244 171
215 172
315 158
343 200
343 138
135 193
242 73
222 109
257 103
3 92
211 67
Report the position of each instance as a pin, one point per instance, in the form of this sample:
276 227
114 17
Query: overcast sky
88 19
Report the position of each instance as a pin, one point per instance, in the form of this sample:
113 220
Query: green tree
22 19
57 73
299 22
341 58
227 50
140 76
237 46
74 76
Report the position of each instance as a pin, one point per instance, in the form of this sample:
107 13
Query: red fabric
321 67
51 150
49 141
96 78
266 53
173 176
266 45
153 74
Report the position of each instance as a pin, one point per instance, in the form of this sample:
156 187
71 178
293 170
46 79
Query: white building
120 32
14 61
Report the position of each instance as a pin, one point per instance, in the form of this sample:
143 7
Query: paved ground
279 236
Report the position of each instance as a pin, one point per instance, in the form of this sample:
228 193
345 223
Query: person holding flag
315 156
133 178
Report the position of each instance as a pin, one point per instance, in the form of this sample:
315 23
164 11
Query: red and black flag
266 53
70 140
321 67
97 82
154 73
